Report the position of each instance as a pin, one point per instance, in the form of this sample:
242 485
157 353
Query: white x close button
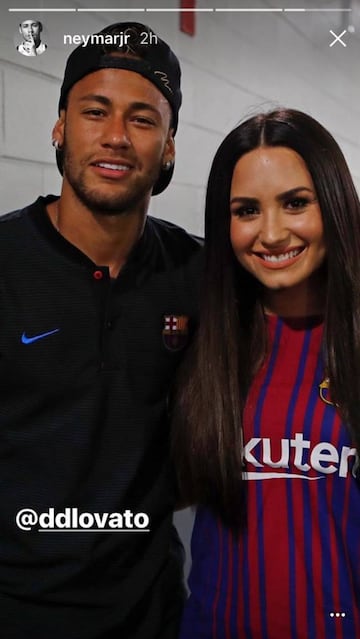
338 38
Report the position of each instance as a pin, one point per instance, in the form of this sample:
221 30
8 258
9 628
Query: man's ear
58 130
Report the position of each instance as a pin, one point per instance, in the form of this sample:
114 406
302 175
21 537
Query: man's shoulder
13 219
16 227
20 215
174 239
12 215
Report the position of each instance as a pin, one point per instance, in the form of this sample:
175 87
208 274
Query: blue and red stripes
295 572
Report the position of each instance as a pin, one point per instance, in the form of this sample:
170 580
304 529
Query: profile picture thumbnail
30 31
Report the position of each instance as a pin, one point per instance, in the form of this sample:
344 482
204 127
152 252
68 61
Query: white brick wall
236 64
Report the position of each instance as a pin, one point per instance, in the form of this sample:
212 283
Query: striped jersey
294 573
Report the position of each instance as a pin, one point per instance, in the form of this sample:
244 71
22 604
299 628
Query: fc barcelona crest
175 332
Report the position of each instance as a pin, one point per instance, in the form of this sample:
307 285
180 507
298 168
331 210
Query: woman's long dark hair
231 342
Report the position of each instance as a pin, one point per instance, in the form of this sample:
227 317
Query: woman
260 439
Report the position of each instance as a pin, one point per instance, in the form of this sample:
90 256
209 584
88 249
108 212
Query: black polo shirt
85 366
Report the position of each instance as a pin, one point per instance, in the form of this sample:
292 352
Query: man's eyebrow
94 97
133 106
144 106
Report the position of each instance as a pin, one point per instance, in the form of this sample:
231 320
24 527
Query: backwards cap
141 51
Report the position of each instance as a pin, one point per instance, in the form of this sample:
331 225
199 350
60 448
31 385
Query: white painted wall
236 64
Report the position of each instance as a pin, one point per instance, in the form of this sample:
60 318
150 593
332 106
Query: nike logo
30 340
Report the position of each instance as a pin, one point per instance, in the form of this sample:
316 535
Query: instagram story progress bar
185 10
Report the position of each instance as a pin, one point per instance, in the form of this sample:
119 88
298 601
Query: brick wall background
235 64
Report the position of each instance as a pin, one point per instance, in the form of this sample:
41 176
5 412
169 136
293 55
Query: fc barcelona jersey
294 573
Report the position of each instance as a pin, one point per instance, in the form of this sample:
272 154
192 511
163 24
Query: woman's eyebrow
292 192
244 200
282 196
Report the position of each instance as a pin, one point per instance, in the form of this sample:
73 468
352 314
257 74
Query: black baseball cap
135 47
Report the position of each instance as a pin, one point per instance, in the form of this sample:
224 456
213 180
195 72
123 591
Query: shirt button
98 275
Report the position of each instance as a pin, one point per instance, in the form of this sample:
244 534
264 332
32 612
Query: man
97 305
31 45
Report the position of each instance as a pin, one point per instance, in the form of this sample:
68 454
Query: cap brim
163 181
59 161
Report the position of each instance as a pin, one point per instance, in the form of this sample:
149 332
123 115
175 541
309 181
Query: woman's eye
244 211
297 203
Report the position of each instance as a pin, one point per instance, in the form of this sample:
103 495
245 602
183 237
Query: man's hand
30 46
